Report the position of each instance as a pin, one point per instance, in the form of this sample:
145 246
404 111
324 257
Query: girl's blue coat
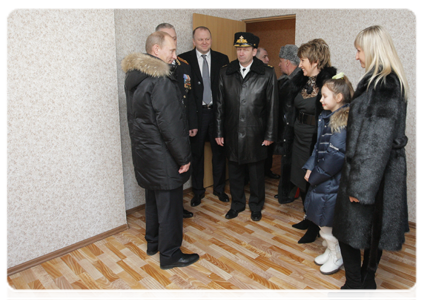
326 163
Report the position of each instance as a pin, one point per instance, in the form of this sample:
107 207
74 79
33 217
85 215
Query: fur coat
326 163
157 123
375 170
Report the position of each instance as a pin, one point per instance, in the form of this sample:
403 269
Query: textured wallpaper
65 181
338 27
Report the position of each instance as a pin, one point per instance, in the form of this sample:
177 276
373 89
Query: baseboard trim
135 209
66 250
412 225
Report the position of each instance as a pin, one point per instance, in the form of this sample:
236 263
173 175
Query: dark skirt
301 151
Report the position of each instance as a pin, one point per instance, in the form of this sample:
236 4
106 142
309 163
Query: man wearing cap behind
288 62
264 57
246 122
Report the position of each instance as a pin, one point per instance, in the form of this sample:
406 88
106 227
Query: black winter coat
157 123
326 163
375 154
246 112
288 92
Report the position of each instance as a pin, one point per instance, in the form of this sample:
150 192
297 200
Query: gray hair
164 25
289 52
258 51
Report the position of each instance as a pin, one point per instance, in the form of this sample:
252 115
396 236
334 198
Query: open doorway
273 32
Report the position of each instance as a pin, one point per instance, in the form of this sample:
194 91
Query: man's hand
266 143
307 175
220 141
184 168
193 132
352 199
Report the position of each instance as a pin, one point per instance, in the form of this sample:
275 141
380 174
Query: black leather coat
246 112
157 123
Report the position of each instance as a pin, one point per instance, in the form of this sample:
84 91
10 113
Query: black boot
310 235
352 264
303 225
367 275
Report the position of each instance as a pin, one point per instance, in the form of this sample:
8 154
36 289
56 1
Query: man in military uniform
183 74
246 122
288 63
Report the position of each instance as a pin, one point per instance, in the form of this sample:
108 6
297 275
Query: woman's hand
307 175
352 199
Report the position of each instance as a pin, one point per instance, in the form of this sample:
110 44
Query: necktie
243 72
207 95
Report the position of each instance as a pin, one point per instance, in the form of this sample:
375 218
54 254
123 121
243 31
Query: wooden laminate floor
234 254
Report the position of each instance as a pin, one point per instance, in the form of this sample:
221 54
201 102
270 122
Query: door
222 31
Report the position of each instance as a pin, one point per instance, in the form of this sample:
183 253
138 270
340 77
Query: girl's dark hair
343 86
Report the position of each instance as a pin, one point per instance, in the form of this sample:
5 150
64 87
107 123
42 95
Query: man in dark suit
205 66
183 74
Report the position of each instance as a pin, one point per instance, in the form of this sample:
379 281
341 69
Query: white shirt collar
247 69
199 53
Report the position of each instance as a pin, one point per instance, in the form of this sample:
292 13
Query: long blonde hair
380 56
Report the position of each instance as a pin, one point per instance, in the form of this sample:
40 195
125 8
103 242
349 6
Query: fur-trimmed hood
145 63
339 118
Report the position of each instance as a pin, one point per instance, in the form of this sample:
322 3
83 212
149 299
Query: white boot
321 259
335 262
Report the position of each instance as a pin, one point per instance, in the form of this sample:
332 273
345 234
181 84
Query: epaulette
183 60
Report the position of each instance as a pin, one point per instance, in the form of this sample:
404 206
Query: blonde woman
371 207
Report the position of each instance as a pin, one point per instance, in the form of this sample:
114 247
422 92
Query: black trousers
163 219
237 181
355 271
269 160
206 132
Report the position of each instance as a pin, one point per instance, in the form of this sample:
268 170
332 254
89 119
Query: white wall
64 155
337 27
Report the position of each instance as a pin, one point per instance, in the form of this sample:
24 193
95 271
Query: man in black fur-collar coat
246 122
161 152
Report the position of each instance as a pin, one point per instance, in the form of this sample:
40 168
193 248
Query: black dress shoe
232 213
285 200
272 175
187 214
222 196
151 252
196 200
256 216
184 261
303 225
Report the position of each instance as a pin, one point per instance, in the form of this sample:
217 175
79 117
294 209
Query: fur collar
145 63
339 118
299 80
258 66
389 85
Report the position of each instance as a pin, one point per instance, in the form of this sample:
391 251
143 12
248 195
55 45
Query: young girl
323 168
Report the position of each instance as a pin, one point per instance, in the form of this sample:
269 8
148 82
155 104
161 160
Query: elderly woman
371 208
302 95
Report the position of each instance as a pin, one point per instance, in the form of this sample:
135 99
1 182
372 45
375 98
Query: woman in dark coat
371 208
303 93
